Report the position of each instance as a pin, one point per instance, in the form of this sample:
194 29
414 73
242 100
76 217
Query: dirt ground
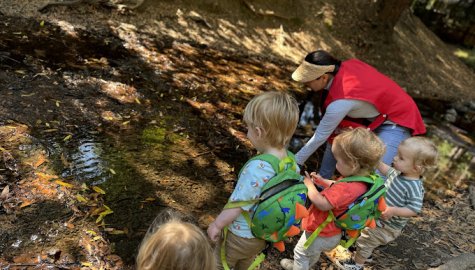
108 116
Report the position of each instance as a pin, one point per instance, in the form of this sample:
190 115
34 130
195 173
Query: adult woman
356 95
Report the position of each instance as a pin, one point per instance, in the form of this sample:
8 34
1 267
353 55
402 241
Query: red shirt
358 80
340 195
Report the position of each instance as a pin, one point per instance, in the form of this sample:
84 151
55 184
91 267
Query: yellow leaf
138 101
42 23
106 212
40 161
106 207
125 123
87 264
99 218
84 186
98 190
91 232
148 200
51 130
116 232
97 238
26 203
64 184
81 198
2 149
112 170
67 137
57 103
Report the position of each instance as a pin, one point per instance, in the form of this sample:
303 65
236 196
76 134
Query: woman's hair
423 150
175 245
360 146
323 58
276 113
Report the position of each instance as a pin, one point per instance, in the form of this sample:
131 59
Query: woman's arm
334 113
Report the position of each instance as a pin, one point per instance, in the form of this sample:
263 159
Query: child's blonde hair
423 150
276 113
360 146
175 245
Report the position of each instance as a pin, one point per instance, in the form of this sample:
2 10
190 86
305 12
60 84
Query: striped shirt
402 192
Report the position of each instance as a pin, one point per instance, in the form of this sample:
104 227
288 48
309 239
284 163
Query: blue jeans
391 135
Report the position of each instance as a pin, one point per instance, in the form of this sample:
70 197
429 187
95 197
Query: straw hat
308 72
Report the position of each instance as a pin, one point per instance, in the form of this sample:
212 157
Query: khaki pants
373 238
240 252
304 259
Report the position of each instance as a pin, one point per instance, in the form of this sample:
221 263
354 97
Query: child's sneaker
352 266
287 264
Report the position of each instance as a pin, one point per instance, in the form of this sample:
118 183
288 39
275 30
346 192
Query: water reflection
86 163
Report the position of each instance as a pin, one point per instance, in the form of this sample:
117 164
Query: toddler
357 152
403 197
175 245
271 120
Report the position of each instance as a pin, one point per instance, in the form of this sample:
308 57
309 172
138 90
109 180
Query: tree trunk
389 11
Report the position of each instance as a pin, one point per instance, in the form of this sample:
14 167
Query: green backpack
363 212
280 207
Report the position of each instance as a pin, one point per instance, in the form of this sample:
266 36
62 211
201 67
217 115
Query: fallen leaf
5 193
40 161
98 190
25 203
96 238
64 184
116 232
69 225
112 170
80 198
67 137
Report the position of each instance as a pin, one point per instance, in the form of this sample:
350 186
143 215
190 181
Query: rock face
461 262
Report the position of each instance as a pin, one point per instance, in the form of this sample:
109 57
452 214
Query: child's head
357 151
415 154
273 116
175 245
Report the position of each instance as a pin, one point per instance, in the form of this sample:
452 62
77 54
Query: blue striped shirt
402 192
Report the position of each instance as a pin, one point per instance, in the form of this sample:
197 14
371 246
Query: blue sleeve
253 177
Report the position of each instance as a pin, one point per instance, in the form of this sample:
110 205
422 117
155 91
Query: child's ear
418 168
259 131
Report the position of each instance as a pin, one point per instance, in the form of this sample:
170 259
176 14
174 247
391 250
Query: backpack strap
358 178
278 165
315 233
